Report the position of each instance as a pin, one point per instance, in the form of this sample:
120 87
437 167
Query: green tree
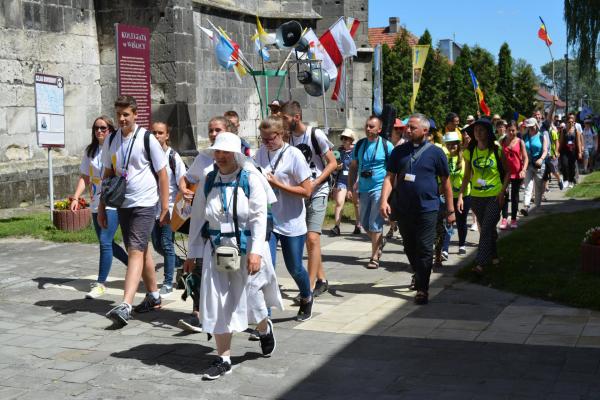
579 88
486 71
432 99
525 88
396 74
505 88
461 97
583 27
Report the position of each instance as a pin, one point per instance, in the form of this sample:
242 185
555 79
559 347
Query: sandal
495 261
373 264
421 298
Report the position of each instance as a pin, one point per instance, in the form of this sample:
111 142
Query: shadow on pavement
182 357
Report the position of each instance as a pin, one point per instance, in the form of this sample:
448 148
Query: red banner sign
133 68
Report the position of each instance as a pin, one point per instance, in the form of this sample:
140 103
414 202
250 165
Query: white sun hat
230 142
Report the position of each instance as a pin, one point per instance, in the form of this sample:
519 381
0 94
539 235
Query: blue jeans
292 248
162 241
461 224
108 246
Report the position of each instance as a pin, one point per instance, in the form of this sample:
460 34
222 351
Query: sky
485 23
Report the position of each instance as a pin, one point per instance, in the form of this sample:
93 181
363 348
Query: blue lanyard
224 203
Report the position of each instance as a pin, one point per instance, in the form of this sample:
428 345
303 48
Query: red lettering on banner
133 68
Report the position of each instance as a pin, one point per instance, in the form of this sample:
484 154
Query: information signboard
133 68
50 110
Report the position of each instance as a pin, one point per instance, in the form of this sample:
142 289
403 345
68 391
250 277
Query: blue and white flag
261 50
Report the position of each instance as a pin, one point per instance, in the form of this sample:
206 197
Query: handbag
114 187
226 258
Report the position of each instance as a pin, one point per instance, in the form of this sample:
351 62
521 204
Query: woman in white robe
224 296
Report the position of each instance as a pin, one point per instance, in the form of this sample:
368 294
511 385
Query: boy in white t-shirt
322 164
124 154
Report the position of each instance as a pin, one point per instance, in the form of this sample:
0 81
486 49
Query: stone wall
56 38
75 39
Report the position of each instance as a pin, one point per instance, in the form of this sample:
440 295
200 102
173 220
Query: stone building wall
75 39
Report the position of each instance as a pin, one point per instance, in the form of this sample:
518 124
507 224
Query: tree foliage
578 87
583 27
397 74
505 87
461 97
432 99
525 88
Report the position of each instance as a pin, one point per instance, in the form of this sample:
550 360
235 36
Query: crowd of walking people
242 202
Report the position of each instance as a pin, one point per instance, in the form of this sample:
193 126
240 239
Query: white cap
530 122
451 136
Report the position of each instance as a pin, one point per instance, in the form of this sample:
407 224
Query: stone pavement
366 339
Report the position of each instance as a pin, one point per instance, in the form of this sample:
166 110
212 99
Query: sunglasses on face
100 128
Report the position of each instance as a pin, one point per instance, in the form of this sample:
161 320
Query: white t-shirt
315 162
142 188
92 167
289 214
201 166
173 179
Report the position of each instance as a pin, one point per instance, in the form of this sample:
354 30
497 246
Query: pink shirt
513 157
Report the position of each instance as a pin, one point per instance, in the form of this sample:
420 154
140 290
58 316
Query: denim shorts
315 213
341 185
370 218
136 225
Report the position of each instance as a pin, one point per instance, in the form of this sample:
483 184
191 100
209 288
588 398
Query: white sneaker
97 290
473 228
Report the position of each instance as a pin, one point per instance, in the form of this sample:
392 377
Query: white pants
533 177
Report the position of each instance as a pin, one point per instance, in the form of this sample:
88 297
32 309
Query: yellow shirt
485 179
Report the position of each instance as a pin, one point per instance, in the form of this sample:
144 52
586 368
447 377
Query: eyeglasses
268 140
100 128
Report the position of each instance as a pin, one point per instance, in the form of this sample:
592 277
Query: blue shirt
370 156
422 195
345 159
533 145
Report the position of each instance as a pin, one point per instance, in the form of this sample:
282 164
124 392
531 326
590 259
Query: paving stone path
366 340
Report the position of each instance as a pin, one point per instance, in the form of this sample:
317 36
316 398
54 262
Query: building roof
545 96
382 36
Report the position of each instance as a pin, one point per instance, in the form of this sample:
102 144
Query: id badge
570 142
410 177
345 173
227 227
481 182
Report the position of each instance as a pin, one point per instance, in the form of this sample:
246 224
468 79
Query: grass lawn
39 226
347 214
588 188
542 259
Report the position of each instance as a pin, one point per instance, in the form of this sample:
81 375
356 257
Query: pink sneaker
504 224
513 224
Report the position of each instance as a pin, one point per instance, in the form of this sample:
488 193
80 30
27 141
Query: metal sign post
50 117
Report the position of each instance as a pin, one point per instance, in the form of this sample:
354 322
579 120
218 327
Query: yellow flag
419 55
264 37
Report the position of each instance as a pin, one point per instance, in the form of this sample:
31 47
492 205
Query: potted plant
590 251
66 220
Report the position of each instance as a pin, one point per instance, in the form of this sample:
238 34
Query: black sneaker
305 312
217 369
525 211
148 304
267 341
253 336
357 230
335 231
297 300
119 315
413 283
320 287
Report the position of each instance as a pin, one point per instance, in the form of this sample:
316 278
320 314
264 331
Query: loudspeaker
388 116
288 34
312 81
